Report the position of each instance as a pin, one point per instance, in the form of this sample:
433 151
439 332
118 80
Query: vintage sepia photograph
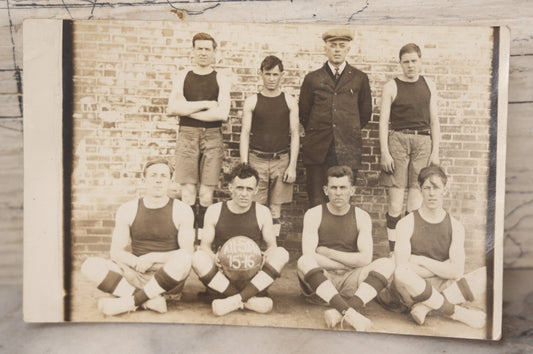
319 176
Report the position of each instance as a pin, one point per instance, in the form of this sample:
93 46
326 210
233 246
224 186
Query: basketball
240 258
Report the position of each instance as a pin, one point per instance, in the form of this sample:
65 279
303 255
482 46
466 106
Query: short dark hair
430 171
270 62
202 36
340 171
244 171
410 48
157 161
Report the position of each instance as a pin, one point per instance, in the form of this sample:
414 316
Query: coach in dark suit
335 103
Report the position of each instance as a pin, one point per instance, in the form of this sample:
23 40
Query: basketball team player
239 216
151 248
336 266
430 258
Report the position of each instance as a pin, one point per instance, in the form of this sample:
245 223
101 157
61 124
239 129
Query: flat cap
338 34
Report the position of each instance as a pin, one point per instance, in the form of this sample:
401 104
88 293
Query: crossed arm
207 111
121 239
331 259
452 268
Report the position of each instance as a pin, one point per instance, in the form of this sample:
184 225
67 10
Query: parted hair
156 161
244 171
340 171
270 62
202 36
410 48
430 171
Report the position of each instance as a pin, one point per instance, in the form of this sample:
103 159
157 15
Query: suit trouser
317 179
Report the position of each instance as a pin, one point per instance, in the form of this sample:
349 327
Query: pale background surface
518 294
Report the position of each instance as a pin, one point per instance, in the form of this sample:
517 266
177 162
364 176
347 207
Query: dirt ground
290 310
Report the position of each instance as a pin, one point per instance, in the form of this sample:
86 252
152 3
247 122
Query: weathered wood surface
515 14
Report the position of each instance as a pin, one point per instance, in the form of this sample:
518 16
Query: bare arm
434 125
364 245
290 173
389 92
264 219
452 268
402 248
247 111
178 104
184 220
312 221
220 111
208 237
121 238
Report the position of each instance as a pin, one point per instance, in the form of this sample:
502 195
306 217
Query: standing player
337 253
239 216
409 103
201 99
430 258
151 248
335 104
270 139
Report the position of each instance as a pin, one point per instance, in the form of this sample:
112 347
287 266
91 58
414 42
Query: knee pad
465 289
315 277
426 294
165 281
376 280
392 220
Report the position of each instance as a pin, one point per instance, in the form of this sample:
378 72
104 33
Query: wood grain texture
515 14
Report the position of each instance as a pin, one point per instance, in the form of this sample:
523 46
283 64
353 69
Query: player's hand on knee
387 163
144 262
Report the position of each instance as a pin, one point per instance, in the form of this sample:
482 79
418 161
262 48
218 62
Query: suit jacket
336 113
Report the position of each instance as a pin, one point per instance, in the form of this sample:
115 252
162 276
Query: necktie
337 74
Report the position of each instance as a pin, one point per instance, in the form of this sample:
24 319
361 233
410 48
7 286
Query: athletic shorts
199 154
139 280
410 153
346 283
271 187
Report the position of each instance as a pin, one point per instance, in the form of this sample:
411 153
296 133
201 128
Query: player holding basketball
430 258
151 248
337 253
239 216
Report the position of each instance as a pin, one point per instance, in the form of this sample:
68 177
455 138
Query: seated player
430 258
337 253
239 216
151 248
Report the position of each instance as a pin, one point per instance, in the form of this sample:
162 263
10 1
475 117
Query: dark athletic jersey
410 108
200 88
431 240
153 230
230 224
270 131
338 232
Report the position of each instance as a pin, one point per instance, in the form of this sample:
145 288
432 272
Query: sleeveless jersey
431 240
153 230
410 108
200 88
270 130
338 232
230 224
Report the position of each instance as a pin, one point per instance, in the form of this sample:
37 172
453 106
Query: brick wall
122 80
